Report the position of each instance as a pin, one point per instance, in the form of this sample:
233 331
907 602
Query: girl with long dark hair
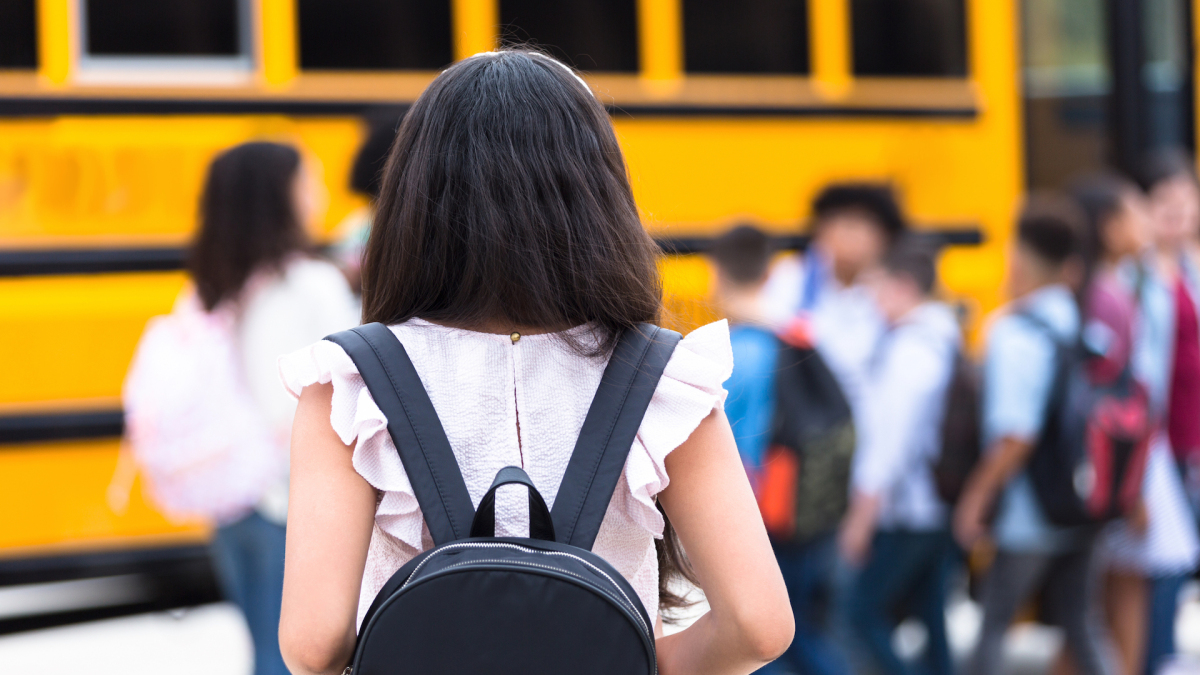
507 256
250 261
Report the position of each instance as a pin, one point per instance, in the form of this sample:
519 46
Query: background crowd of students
1111 264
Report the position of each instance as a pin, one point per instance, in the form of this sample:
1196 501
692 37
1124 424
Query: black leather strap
415 429
608 432
541 526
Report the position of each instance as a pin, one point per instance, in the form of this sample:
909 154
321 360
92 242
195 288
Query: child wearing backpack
508 289
741 259
205 418
1168 345
1020 368
896 532
1127 312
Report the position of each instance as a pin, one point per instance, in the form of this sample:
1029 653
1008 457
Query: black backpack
477 603
813 436
1089 460
961 433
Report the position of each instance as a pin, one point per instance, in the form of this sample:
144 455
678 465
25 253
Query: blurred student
258 209
1128 312
897 531
1019 370
350 236
821 299
1170 364
741 258
854 224
256 294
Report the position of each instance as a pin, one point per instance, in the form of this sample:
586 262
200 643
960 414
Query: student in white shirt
249 256
896 531
854 225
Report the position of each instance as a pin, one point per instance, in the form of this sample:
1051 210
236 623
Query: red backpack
1088 464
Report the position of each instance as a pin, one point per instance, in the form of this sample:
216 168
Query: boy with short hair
741 258
853 226
896 531
1019 369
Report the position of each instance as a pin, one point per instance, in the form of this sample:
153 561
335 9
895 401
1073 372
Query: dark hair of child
247 219
1100 199
742 254
915 260
1162 165
506 198
1051 227
875 199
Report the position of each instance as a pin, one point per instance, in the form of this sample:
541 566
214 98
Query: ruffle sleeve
358 421
690 389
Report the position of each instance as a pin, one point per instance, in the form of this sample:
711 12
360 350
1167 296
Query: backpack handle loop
541 526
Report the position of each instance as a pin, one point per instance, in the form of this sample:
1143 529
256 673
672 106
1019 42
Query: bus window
1068 89
374 34
911 38
588 34
1165 73
170 28
751 36
18 35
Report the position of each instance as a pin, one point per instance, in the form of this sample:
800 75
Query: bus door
1105 82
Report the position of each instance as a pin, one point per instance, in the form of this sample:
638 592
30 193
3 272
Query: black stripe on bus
964 236
726 110
64 426
42 262
45 262
168 577
64 105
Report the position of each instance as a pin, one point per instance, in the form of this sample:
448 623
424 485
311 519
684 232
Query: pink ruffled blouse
516 403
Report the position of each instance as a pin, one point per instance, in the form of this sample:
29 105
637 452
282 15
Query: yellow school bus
110 111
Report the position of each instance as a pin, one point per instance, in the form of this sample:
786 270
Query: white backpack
195 430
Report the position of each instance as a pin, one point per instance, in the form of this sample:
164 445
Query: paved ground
208 640
212 640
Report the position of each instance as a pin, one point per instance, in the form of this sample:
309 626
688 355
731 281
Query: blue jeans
808 573
1160 633
248 557
905 575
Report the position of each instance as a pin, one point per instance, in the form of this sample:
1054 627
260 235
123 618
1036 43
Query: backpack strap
415 429
1044 327
608 432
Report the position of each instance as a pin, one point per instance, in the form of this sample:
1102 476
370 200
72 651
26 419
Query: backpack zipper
525 563
628 603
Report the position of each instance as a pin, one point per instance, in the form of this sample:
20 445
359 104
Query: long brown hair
248 220
505 198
